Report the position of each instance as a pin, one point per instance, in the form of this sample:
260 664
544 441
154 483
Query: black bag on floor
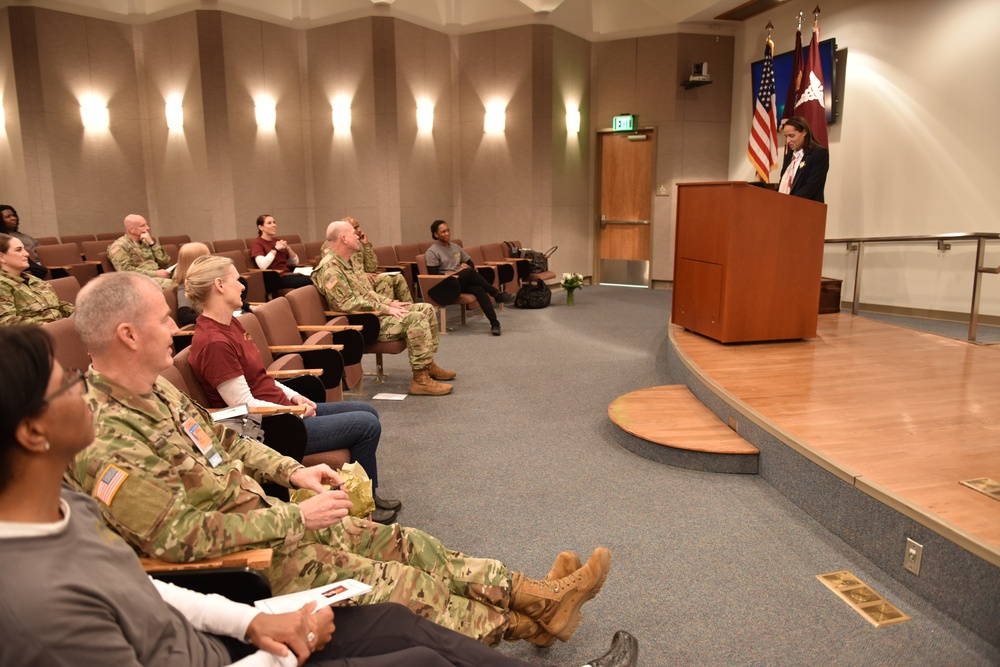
533 294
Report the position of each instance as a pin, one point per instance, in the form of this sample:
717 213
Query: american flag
109 482
762 150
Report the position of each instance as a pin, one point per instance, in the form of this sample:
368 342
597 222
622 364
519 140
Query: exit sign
625 123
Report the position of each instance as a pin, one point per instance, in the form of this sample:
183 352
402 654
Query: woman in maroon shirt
270 252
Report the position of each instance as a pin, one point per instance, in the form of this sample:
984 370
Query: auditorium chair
423 246
406 258
506 267
78 239
486 270
106 265
427 282
47 240
109 236
256 292
171 249
544 276
64 259
226 245
314 250
178 240
66 288
307 313
92 249
306 302
67 347
318 350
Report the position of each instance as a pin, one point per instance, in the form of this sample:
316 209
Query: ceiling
594 20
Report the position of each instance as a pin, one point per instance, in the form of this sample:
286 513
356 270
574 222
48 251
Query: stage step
668 424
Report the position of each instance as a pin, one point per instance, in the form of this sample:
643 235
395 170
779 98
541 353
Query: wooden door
626 207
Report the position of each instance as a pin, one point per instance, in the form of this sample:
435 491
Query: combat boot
556 604
567 562
438 373
423 385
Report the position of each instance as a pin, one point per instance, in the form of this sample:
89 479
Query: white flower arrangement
571 281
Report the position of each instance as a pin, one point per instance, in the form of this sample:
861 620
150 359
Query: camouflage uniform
390 285
349 290
128 255
28 300
161 493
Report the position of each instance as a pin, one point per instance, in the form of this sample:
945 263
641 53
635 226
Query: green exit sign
624 123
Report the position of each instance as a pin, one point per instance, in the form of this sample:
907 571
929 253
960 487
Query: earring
47 446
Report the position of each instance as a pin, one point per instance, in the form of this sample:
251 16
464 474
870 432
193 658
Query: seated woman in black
444 257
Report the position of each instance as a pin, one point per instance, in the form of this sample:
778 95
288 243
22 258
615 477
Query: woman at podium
803 173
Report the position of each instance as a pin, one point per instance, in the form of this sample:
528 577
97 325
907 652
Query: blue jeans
349 425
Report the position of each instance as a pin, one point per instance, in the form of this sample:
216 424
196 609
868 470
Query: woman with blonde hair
188 253
229 368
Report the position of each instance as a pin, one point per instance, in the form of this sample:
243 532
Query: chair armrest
183 332
280 375
330 327
277 409
287 349
257 559
342 313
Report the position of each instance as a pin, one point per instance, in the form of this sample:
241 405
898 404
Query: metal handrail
944 243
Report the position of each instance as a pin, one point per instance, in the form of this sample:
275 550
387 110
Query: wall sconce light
572 121
175 114
425 116
266 113
94 113
496 118
341 114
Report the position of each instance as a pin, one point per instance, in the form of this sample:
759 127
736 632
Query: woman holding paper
74 594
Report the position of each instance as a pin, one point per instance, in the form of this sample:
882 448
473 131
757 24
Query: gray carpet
520 463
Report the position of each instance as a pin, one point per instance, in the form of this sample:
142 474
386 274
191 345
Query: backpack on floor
533 294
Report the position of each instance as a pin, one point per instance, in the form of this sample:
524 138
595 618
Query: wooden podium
747 262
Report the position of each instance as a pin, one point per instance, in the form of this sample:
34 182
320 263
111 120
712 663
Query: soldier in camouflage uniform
390 285
349 290
137 251
24 299
180 488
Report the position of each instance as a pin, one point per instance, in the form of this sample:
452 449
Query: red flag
811 104
795 84
762 149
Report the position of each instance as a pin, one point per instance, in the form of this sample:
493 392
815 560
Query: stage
870 428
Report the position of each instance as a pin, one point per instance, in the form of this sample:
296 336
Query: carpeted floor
519 463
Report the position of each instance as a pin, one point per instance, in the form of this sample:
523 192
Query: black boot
624 652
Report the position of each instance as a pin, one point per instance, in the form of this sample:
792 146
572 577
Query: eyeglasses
70 378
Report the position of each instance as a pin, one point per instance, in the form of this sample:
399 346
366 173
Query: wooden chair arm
342 313
183 332
288 349
330 327
280 375
92 261
257 559
277 409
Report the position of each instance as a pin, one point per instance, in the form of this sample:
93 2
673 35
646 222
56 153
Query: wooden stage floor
901 414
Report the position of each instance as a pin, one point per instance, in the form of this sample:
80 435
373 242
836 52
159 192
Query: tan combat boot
438 373
556 604
423 385
567 562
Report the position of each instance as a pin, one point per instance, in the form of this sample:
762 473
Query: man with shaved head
137 251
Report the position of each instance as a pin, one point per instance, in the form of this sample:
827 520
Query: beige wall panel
705 151
659 81
182 200
572 231
712 102
477 157
13 170
615 80
570 153
476 82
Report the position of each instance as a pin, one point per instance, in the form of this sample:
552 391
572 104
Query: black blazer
810 179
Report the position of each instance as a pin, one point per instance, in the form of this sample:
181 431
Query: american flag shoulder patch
109 482
330 284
